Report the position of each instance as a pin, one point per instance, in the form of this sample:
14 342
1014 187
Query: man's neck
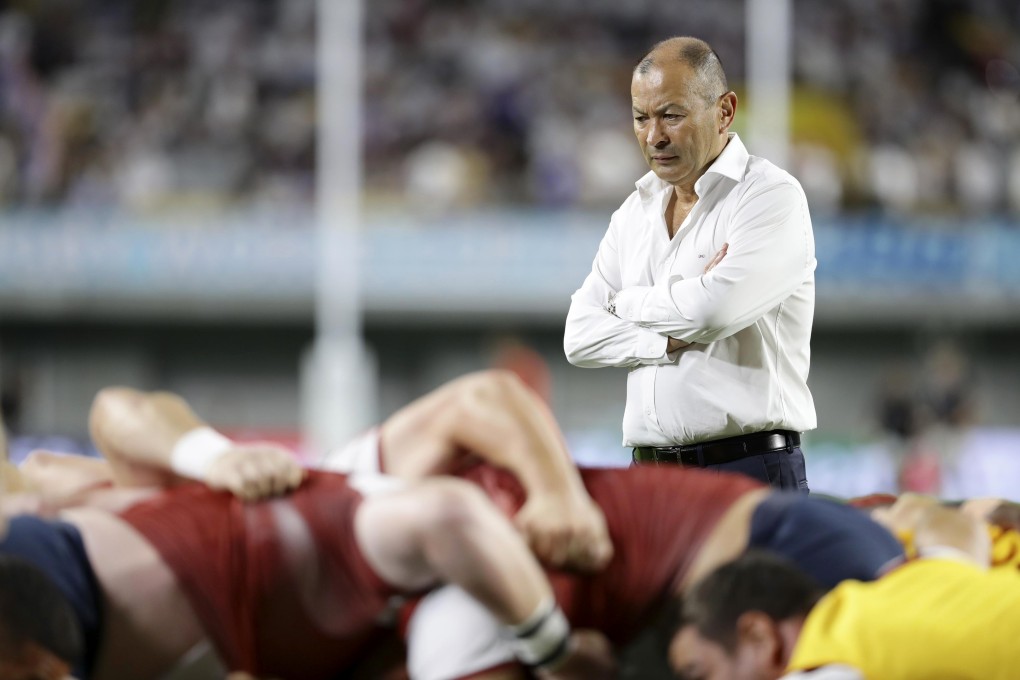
679 206
684 195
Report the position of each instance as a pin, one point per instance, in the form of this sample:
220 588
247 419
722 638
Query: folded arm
593 336
770 255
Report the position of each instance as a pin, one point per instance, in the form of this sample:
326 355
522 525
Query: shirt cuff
629 302
651 348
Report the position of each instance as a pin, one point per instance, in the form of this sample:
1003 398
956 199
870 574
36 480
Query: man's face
693 657
680 133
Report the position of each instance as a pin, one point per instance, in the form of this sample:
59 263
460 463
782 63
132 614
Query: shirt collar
732 163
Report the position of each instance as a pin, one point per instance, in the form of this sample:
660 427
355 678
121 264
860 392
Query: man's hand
717 258
590 658
569 533
254 471
675 344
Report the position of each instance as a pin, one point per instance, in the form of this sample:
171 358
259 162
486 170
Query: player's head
682 108
40 638
1006 515
741 621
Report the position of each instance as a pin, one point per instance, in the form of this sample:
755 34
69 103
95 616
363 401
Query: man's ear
727 109
43 663
759 633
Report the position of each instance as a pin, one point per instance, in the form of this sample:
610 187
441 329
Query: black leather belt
719 450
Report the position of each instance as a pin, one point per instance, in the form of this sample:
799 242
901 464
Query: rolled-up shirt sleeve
770 254
593 337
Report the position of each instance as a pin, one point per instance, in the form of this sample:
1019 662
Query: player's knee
451 505
107 403
493 386
109 398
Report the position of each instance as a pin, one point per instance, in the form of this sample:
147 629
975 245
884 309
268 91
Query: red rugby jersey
239 562
658 518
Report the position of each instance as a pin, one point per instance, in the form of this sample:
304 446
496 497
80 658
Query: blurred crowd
926 409
900 106
145 106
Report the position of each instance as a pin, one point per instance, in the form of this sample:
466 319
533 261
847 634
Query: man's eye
672 117
640 119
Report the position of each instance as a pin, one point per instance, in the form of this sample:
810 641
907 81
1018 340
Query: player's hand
980 507
566 532
904 515
1006 515
996 511
254 471
590 658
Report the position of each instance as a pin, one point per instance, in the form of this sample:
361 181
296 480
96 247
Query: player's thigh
391 525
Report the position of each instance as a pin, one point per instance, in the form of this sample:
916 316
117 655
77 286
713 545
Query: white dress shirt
749 318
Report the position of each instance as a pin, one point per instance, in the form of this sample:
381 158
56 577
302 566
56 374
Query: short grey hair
698 55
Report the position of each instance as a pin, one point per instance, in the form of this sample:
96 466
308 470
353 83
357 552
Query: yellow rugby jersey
1005 548
930 619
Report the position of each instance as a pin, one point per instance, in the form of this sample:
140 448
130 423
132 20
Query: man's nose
656 135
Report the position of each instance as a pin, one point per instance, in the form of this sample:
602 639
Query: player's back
280 586
930 618
658 518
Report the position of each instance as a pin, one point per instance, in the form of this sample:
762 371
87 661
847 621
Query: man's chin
667 174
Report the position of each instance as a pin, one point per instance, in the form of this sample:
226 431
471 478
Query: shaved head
682 110
694 53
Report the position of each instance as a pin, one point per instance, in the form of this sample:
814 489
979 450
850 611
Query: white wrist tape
197 450
541 640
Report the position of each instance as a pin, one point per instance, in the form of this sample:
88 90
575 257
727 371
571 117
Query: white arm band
542 639
195 451
946 552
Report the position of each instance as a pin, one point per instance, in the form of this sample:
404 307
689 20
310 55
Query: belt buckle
667 454
687 456
681 456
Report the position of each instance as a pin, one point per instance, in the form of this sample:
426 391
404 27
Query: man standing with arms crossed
703 285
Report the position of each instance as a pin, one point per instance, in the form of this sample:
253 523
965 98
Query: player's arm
10 477
495 416
450 636
46 481
937 530
444 530
155 439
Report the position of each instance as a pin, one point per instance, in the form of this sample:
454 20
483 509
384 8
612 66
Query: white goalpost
338 381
